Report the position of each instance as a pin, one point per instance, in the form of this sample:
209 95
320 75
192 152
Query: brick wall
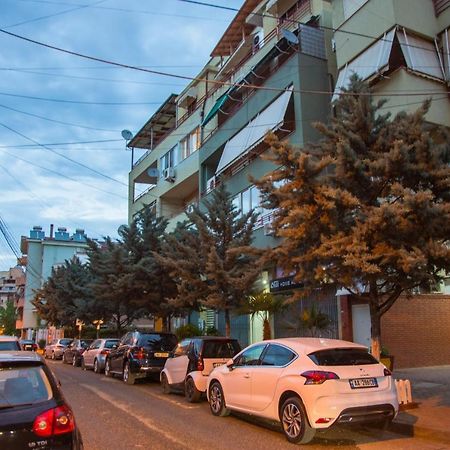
417 331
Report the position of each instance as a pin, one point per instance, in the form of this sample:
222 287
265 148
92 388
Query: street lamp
97 323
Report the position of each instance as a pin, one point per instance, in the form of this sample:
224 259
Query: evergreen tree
8 315
212 258
368 207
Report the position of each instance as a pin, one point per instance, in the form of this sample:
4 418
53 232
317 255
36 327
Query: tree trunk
267 332
227 323
375 322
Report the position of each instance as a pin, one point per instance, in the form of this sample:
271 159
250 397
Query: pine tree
212 258
367 208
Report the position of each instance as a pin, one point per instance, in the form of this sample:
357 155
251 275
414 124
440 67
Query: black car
139 355
28 345
72 354
33 411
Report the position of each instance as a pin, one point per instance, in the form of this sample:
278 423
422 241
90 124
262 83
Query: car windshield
111 343
9 345
86 343
23 385
220 349
164 342
65 341
342 357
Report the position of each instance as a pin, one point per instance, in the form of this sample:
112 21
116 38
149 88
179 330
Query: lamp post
97 324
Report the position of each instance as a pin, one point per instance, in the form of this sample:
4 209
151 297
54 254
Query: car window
342 357
110 343
127 339
220 349
9 345
85 343
250 357
164 342
277 355
182 348
65 341
23 385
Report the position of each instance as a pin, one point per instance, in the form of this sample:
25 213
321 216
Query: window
276 355
182 348
110 344
168 160
190 143
342 357
251 356
219 349
247 200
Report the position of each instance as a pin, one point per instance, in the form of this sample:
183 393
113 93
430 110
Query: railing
141 194
440 6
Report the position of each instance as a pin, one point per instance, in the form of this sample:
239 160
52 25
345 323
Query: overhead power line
185 77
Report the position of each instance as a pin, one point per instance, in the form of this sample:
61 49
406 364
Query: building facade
43 253
277 67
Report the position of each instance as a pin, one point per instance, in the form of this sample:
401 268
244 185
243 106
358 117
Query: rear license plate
161 355
217 364
361 383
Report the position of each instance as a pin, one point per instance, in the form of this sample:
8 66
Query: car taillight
200 365
318 376
104 352
35 346
139 353
55 421
387 372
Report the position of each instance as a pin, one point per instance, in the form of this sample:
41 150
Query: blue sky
54 104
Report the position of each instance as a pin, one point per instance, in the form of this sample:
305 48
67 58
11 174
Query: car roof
212 338
8 355
8 338
308 345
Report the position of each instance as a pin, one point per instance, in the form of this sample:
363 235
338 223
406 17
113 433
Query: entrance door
361 324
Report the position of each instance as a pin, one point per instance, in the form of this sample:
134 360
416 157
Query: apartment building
276 68
43 253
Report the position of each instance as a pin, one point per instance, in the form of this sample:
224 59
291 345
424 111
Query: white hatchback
305 383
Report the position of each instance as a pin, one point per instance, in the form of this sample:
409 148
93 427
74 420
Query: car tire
74 361
96 366
217 400
108 372
294 422
83 365
53 356
191 392
165 384
128 377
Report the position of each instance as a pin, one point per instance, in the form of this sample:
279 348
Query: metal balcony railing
440 6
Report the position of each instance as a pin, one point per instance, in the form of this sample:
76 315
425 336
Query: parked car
94 356
305 383
28 345
33 411
9 343
55 349
73 352
139 355
189 365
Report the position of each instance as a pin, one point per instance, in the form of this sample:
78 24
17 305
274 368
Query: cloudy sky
62 158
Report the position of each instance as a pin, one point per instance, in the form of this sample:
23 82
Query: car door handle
246 375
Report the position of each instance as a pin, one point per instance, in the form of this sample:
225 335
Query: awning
269 119
215 109
374 59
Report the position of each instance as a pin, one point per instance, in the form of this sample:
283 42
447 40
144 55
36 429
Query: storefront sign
284 284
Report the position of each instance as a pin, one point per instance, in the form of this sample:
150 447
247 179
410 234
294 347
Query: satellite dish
153 172
289 36
127 134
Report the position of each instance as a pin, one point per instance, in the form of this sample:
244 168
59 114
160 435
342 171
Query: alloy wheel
292 420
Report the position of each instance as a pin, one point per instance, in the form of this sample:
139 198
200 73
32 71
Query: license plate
161 355
217 364
361 383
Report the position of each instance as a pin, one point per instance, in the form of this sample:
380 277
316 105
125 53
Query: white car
305 383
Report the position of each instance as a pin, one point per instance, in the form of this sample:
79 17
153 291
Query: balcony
440 6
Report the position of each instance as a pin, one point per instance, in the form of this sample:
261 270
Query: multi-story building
12 285
42 255
277 68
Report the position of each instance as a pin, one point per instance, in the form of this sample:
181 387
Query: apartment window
168 160
190 143
247 200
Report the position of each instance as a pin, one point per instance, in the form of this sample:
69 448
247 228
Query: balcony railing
440 6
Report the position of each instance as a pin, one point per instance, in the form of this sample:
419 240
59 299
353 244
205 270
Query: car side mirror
230 364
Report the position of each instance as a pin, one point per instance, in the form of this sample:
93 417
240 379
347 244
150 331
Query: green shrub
42 343
188 330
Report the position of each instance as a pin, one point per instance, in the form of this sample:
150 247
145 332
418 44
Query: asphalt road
113 415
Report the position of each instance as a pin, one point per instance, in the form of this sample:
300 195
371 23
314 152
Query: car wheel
294 422
165 384
74 361
191 392
96 366
128 377
108 372
83 365
217 400
53 356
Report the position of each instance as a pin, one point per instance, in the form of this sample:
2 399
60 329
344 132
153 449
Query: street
113 415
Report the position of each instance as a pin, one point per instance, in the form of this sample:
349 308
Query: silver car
9 343
56 348
95 355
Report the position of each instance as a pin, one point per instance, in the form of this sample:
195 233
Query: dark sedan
74 351
33 411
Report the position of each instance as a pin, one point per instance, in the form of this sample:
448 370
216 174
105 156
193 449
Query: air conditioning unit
169 174
258 39
268 230
211 184
190 208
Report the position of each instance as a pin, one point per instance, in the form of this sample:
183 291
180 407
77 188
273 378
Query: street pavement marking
127 409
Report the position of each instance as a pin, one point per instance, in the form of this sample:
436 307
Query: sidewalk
429 416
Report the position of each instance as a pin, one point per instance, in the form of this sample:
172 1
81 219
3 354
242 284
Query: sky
63 160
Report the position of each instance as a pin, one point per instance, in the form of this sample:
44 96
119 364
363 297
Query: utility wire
63 143
185 77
